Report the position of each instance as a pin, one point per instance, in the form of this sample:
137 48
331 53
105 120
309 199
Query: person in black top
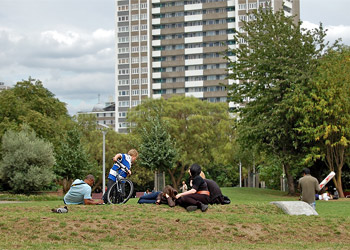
198 196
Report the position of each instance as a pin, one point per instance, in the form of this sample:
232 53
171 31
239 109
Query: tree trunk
290 181
176 182
66 185
338 183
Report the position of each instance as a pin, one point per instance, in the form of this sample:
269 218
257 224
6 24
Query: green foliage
157 150
27 162
272 68
72 160
200 130
32 104
326 108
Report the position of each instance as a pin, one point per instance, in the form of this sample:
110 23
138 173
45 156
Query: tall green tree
28 102
157 149
275 60
195 126
72 160
326 124
27 162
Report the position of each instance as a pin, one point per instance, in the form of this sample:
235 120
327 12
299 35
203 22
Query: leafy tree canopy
273 65
27 161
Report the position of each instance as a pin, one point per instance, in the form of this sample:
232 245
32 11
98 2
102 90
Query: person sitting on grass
80 192
198 196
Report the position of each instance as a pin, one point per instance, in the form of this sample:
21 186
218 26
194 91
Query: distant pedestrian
309 186
183 188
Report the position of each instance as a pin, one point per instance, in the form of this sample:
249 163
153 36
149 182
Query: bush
27 162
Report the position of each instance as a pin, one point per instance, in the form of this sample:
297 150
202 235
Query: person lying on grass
80 192
167 196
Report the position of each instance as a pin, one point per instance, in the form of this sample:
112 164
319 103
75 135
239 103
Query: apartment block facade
176 47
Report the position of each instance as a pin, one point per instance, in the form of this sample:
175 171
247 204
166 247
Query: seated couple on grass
202 193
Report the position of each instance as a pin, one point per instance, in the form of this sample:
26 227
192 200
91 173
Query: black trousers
193 200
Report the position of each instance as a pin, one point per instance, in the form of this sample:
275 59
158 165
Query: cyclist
120 169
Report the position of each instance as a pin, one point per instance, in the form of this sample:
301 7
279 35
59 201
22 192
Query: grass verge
249 222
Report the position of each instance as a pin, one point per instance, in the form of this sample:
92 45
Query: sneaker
204 207
191 208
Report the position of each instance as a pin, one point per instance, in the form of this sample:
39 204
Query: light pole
104 132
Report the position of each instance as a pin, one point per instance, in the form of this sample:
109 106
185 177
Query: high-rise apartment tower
176 47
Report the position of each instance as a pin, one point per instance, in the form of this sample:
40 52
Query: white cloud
333 32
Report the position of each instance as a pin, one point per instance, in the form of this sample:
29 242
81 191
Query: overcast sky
69 44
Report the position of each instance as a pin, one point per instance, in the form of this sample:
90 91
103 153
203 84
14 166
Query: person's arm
117 156
92 202
192 191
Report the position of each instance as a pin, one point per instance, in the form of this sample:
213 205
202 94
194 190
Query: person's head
169 190
195 170
306 171
183 182
134 154
90 180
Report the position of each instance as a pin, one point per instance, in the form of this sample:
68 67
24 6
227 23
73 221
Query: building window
143 26
123 50
123 72
135 103
134 38
144 59
123 28
144 80
123 92
144 38
123 60
144 91
123 82
143 5
123 39
123 18
135 60
123 7
134 6
252 5
134 71
135 92
144 70
135 28
123 125
144 16
135 81
143 48
122 114
134 17
124 104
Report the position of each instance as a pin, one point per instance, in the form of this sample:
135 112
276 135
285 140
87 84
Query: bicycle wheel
120 192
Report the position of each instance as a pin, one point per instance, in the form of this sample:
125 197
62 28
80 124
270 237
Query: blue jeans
149 198
313 205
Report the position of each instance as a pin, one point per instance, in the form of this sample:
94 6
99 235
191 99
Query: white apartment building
176 47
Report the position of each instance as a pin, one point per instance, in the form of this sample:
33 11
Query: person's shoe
191 208
204 207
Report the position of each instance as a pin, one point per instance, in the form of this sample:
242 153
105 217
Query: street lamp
104 132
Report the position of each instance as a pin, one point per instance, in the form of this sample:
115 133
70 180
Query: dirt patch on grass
125 225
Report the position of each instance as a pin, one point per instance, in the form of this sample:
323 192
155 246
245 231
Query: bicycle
121 191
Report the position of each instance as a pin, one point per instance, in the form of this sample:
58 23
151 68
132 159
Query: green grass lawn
249 222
